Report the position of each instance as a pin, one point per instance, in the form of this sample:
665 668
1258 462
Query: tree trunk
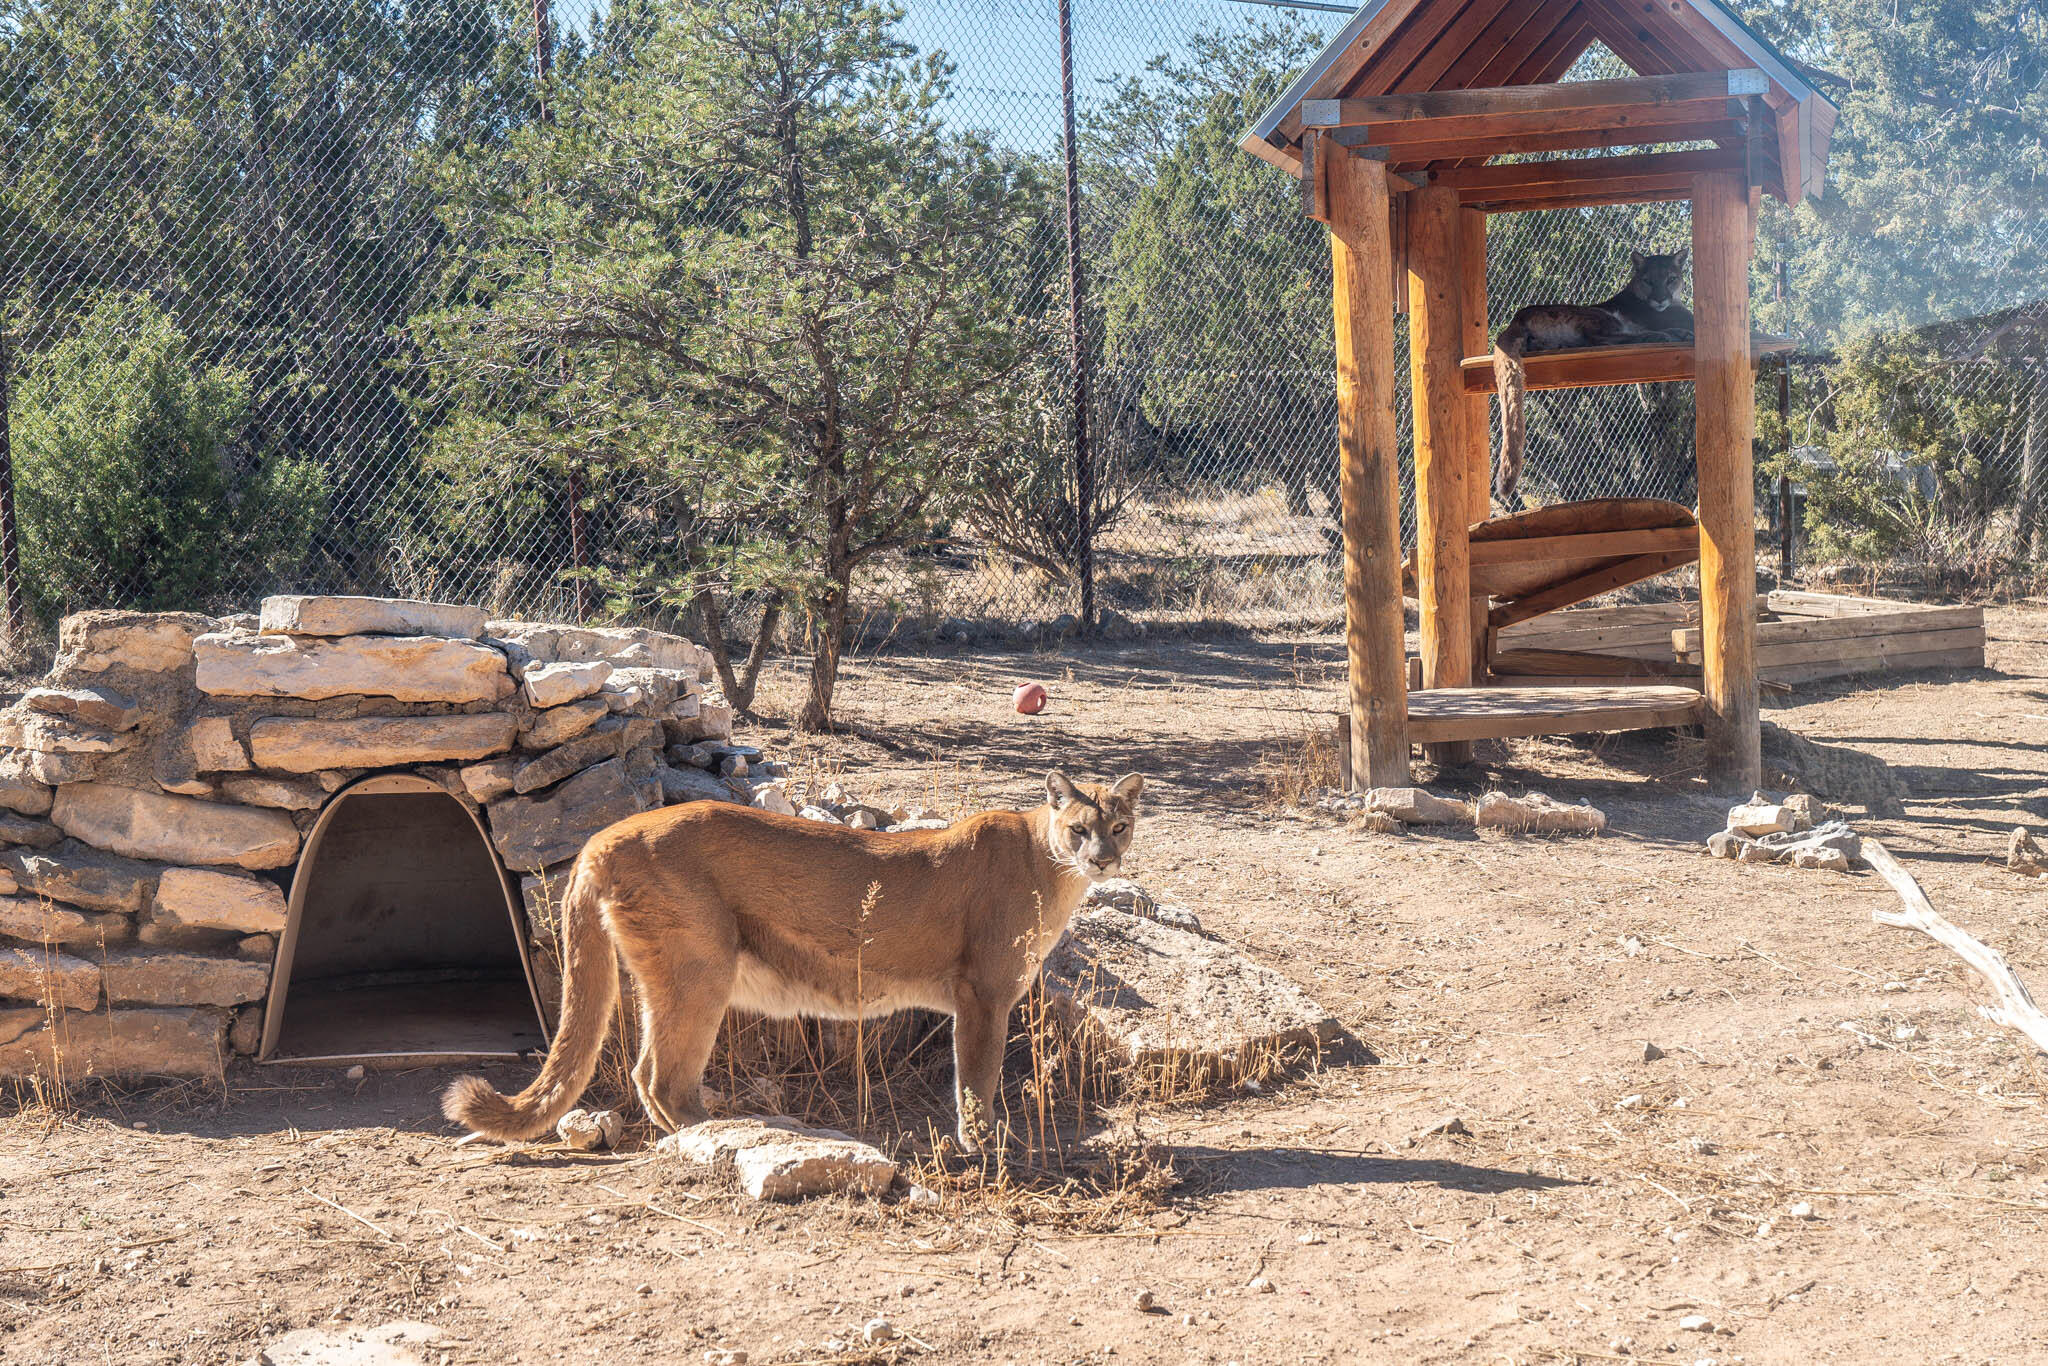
2033 518
830 639
739 684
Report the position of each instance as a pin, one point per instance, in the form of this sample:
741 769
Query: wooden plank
1436 346
1522 175
1382 25
1725 430
1798 629
1971 657
1620 614
1463 714
1862 647
1583 547
1514 33
1587 367
1584 664
1590 585
1369 479
1509 102
1471 145
1478 338
1589 199
1831 604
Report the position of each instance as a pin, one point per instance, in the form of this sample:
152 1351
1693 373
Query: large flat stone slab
778 1159
551 685
148 642
1162 997
90 703
154 825
407 668
113 1043
533 832
169 978
23 727
299 615
392 1344
49 977
208 899
83 876
305 745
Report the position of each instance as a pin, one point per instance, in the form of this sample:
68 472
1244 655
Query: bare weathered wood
1466 714
1369 468
1590 585
1478 341
1889 646
1523 175
1725 427
1511 101
1588 367
1436 349
1586 545
1461 140
2015 1009
1906 621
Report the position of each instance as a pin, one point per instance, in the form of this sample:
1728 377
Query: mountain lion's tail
590 988
1510 385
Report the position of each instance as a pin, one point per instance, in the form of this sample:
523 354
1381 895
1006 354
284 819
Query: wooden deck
1443 714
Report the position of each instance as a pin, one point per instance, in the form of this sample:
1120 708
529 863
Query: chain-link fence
499 302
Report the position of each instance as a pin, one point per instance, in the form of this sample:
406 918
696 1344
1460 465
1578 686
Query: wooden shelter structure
1394 131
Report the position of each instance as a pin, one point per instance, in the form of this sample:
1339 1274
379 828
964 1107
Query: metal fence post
10 542
543 65
1084 463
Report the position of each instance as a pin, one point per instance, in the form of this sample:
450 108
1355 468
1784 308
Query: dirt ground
1835 1159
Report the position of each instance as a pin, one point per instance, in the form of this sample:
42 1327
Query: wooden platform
1441 714
1588 367
1800 638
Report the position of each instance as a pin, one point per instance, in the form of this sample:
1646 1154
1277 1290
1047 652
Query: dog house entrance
404 939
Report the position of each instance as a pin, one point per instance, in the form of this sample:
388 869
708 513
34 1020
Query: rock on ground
148 642
175 829
392 1344
1537 814
779 1159
291 614
1164 997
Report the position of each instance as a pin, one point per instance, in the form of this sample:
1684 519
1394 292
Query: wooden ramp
1445 714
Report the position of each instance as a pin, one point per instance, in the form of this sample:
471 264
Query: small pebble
1906 1033
1310 1239
1802 1210
1651 1052
1259 1285
1635 1102
1696 1323
878 1330
1142 1302
356 1073
643 1289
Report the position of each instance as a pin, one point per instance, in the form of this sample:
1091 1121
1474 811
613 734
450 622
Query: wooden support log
1582 172
1507 102
1361 249
1725 399
1461 140
1478 342
1436 348
2015 1009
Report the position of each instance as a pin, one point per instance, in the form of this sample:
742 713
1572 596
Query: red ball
1030 698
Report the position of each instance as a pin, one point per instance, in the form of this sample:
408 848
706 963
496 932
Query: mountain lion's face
1657 279
1092 825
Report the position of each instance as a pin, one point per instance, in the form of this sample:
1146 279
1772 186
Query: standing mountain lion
712 905
1646 310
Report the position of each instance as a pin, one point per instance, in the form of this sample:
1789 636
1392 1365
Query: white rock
91 703
151 825
23 727
818 813
208 899
391 1344
1762 816
878 1330
1537 814
1696 1323
408 668
558 725
589 1130
620 646
351 616
1415 806
1800 1210
148 642
774 797
779 1159
307 745
861 818
551 685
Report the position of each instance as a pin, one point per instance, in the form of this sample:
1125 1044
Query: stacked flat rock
156 787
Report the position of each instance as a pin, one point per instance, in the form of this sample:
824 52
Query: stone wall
156 786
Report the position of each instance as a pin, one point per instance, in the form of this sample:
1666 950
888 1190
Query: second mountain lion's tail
1510 385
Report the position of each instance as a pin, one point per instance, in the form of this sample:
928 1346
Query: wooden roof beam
1512 101
1466 145
1583 180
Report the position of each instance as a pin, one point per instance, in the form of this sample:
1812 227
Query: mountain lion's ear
1678 257
1635 260
1058 790
1127 789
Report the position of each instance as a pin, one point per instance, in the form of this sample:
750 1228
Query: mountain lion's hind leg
980 1029
683 995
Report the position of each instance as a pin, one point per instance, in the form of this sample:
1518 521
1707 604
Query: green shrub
133 483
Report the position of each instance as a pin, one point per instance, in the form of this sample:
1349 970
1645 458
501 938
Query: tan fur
712 906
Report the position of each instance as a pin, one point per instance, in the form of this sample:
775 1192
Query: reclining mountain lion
712 905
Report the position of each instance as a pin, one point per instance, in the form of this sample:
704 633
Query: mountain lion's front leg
979 1032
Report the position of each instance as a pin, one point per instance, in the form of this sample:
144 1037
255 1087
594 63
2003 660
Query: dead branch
2015 1008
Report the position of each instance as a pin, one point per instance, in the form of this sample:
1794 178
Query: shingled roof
1402 47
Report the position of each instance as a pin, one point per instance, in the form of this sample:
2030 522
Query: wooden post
1443 447
1478 418
1725 397
1361 250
